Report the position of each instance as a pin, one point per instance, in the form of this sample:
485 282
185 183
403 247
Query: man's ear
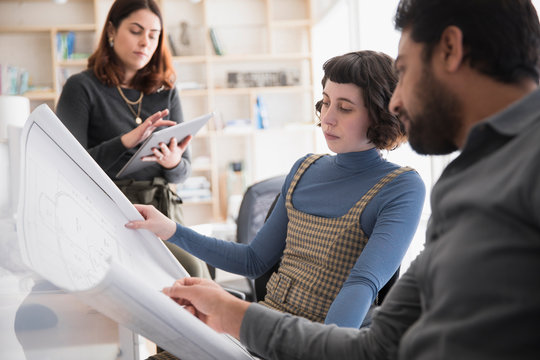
451 47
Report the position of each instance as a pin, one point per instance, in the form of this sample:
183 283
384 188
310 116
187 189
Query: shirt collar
517 117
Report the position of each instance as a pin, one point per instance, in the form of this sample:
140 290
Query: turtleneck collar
359 160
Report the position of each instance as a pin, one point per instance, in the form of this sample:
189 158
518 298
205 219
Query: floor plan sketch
70 227
69 224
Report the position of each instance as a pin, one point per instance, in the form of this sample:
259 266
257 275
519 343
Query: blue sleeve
251 260
394 229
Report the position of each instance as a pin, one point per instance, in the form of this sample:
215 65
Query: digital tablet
179 132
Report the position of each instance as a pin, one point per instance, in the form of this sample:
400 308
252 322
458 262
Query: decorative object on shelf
237 79
184 33
130 103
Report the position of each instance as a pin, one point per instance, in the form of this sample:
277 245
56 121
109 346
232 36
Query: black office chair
255 207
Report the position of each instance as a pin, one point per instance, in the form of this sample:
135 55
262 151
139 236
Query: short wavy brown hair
159 72
374 73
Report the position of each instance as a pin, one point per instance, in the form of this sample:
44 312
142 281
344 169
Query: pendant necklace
130 103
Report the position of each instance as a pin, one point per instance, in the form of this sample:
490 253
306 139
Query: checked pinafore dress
319 254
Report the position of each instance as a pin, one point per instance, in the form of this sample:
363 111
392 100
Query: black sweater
97 116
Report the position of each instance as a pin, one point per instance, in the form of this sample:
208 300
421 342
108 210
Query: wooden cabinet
257 79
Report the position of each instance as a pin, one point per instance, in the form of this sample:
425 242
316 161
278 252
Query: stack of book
13 80
195 188
65 47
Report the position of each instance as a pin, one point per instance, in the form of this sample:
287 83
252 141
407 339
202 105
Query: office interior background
260 72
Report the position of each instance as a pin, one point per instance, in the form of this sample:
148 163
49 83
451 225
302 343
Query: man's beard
434 129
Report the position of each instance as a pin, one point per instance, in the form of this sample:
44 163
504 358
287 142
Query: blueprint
71 231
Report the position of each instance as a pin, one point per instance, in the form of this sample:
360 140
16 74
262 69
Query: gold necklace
129 103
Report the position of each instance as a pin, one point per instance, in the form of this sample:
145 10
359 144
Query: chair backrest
254 207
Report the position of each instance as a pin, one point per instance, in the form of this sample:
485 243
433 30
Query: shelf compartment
260 57
28 14
40 43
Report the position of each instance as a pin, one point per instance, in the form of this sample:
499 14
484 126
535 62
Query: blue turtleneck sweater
329 188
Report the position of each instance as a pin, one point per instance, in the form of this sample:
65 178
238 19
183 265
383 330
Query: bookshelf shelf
258 38
258 90
75 27
190 59
257 44
291 23
37 29
40 95
25 29
77 62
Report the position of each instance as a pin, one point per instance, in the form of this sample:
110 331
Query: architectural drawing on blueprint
71 231
70 224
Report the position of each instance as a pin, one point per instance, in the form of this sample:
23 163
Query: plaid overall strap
319 254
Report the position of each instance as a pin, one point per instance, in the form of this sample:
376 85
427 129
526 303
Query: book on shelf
65 47
13 80
65 43
216 44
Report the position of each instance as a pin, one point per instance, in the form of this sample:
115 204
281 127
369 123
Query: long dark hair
106 66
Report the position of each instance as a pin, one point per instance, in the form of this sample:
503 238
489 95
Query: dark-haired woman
343 222
126 93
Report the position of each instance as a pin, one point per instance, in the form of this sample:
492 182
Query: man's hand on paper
171 155
143 131
154 221
210 303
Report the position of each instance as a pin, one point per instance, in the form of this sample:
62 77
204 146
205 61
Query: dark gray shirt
97 116
474 292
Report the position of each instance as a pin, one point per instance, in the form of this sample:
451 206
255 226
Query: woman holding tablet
125 94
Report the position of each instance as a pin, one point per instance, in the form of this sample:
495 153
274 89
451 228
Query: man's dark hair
501 38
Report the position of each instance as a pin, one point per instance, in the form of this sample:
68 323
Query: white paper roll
14 110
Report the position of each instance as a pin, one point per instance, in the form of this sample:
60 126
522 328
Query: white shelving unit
266 46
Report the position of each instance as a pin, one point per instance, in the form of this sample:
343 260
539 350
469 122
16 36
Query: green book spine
215 42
